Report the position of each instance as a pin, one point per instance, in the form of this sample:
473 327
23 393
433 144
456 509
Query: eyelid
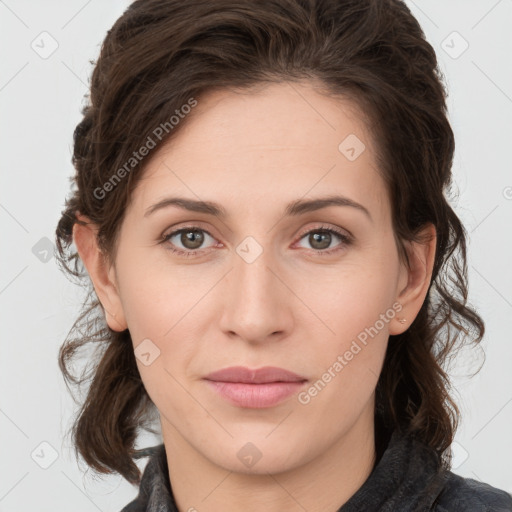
192 225
327 227
305 231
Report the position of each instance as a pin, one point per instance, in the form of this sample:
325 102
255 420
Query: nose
257 300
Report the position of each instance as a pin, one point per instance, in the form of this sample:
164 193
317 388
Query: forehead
274 144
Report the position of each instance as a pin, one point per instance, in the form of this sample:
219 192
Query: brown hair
161 53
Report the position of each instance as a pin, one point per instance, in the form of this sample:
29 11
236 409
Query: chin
258 455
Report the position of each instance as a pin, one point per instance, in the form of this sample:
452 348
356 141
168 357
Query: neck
323 484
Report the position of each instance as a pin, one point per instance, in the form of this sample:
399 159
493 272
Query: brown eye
187 240
320 240
191 239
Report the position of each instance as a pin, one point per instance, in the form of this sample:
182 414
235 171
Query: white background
40 103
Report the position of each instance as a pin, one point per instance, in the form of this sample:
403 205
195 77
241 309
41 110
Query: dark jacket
406 477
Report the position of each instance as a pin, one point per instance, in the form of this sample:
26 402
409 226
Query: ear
103 278
413 282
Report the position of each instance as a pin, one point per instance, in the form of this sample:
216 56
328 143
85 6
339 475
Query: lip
263 375
259 388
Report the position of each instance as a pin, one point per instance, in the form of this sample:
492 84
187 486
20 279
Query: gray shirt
406 477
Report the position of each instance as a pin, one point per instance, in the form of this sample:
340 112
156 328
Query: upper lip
262 375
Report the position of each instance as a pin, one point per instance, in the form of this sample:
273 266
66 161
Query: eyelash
345 239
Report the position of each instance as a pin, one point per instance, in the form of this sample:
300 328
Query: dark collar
407 476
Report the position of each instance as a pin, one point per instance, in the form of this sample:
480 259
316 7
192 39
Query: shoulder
468 495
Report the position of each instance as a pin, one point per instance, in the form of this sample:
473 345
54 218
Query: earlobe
103 278
414 282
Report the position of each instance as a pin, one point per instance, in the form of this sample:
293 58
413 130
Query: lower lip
256 396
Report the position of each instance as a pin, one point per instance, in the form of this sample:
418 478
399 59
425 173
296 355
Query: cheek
348 367
158 302
356 312
154 294
351 302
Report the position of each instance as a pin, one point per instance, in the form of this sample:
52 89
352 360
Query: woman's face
265 283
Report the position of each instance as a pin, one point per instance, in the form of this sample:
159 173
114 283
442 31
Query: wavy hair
161 53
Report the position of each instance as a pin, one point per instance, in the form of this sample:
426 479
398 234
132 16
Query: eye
191 239
320 239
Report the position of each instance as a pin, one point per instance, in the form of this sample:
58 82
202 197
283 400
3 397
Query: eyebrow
295 208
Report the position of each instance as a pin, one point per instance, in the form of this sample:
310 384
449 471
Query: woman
260 209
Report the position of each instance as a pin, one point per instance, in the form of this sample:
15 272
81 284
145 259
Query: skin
291 307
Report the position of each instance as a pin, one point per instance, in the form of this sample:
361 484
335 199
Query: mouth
259 388
264 375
